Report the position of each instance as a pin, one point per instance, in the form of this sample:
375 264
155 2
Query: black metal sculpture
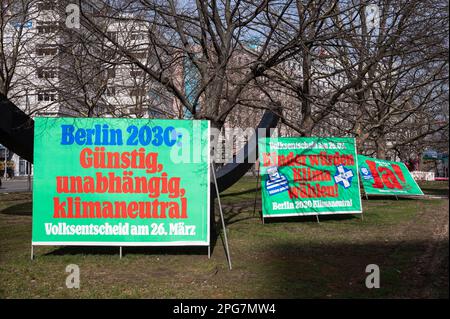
232 171
16 133
16 129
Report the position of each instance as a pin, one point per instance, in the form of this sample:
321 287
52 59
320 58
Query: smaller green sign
309 176
381 177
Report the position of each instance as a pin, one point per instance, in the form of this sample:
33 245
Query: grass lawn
288 258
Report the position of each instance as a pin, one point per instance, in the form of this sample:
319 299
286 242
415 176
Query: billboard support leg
221 217
396 197
256 194
317 217
120 252
32 252
209 252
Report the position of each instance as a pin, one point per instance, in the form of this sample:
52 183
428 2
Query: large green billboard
309 176
123 182
382 177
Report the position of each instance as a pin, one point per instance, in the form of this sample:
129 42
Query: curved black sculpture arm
16 129
232 171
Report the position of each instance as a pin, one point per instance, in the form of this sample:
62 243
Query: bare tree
203 38
400 97
334 67
15 52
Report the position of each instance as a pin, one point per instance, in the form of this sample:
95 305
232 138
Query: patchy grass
435 188
286 258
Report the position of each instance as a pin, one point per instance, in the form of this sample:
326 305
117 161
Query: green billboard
382 177
309 176
120 182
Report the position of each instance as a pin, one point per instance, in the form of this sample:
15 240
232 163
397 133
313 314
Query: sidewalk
14 185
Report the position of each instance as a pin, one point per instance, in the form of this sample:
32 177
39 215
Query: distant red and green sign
382 177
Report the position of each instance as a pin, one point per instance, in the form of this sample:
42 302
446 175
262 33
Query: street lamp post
6 167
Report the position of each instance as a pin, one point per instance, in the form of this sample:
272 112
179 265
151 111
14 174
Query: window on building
138 92
112 35
47 5
46 96
111 91
47 73
138 36
140 54
111 73
135 73
22 166
46 50
45 27
99 109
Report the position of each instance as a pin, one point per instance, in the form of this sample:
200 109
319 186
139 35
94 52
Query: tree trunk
307 123
381 147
